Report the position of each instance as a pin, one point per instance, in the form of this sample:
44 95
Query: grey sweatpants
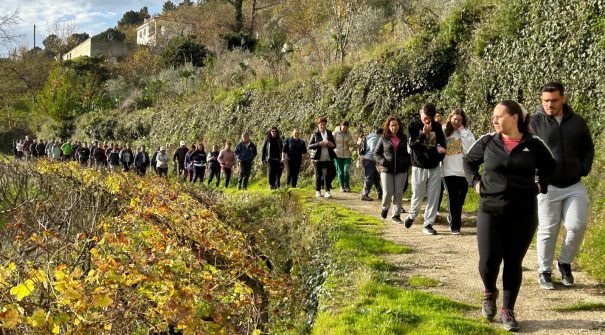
392 190
570 205
425 182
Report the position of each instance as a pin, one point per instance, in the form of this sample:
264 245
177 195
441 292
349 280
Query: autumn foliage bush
86 252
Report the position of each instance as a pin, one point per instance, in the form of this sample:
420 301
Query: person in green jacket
66 149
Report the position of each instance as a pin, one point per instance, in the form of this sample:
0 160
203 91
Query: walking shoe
328 194
317 194
546 281
347 189
366 198
396 219
508 320
455 232
489 309
342 189
428 230
379 196
383 213
566 276
408 222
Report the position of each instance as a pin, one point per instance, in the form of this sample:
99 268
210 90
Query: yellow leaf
23 290
56 329
107 326
10 318
38 318
102 300
12 266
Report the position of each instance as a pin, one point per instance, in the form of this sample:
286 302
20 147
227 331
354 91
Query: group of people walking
528 174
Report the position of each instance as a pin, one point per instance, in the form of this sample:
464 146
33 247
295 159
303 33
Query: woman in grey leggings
394 160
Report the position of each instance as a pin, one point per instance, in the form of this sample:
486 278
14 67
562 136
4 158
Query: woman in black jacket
294 150
394 160
321 146
516 167
272 148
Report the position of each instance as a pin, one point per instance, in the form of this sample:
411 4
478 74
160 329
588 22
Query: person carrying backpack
371 176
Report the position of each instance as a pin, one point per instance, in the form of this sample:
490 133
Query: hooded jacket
508 182
424 147
570 143
343 142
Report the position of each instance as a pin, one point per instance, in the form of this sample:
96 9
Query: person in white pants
427 149
567 135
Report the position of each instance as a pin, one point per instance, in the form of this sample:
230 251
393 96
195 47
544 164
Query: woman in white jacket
459 141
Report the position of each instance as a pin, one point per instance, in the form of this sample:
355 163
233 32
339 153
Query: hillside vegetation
472 56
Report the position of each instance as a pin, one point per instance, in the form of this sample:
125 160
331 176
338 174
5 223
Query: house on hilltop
156 29
94 47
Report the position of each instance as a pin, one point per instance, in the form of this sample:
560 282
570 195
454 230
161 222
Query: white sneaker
328 195
317 194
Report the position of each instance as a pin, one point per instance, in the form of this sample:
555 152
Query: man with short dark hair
568 137
427 144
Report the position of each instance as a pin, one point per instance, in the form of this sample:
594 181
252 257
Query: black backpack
362 147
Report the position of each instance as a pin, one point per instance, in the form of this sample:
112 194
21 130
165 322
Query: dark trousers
227 173
371 177
504 238
456 188
141 171
214 172
245 168
293 172
274 174
126 166
198 173
324 173
163 172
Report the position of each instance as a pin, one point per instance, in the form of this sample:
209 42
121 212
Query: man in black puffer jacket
568 137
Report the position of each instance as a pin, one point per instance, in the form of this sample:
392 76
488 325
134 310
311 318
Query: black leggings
504 238
214 172
324 172
293 172
227 174
274 174
456 188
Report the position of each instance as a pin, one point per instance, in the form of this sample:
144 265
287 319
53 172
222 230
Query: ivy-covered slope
484 51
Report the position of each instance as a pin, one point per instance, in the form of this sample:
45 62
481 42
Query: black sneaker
489 309
408 222
428 230
546 281
383 213
566 276
379 196
508 320
366 198
396 219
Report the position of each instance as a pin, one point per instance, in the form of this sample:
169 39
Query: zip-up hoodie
508 182
424 147
570 143
458 144
392 161
343 142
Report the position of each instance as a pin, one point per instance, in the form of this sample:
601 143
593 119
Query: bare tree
62 30
7 37
343 14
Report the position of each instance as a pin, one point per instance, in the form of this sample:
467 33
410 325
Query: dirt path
453 261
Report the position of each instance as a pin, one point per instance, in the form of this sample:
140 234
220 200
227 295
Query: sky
90 16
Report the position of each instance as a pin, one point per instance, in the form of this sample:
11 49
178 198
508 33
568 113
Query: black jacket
508 182
570 143
179 154
392 161
269 146
315 149
424 148
295 149
141 160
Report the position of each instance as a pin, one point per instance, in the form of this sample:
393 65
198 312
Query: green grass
358 295
582 306
422 282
